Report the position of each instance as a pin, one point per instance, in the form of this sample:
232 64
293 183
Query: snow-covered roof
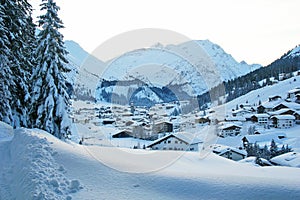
274 96
294 90
237 118
291 159
271 104
267 137
230 125
262 115
185 137
241 111
221 149
291 105
279 112
251 160
283 117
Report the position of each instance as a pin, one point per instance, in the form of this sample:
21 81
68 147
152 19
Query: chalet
264 108
283 121
260 119
108 121
176 141
274 98
122 134
229 152
292 93
202 120
235 119
290 105
240 112
229 130
163 127
283 111
263 139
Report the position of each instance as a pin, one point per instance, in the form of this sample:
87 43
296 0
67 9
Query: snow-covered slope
35 165
188 69
85 69
263 94
293 53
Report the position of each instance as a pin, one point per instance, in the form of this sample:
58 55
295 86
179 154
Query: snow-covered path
36 165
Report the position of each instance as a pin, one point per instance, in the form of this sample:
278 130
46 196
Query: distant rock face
162 74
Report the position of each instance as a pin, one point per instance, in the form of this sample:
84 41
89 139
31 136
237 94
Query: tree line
253 80
33 90
266 152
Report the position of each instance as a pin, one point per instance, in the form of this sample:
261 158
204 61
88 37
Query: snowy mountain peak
293 53
188 69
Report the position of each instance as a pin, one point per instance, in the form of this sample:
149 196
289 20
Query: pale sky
257 31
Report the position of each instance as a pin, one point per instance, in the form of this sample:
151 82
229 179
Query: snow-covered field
36 165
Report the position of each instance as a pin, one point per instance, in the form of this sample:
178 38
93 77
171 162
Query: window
176 142
165 141
169 141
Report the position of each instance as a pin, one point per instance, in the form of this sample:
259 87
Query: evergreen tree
266 153
50 98
5 72
20 35
273 149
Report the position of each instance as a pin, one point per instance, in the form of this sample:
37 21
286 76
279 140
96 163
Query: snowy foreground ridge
36 165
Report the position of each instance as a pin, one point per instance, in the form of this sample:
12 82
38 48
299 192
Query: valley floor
36 165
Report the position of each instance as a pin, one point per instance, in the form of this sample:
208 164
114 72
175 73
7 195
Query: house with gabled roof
260 119
268 106
229 129
283 111
274 98
229 152
283 121
181 141
122 134
162 127
240 112
292 93
284 104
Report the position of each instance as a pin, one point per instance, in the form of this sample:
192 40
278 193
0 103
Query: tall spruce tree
5 72
18 21
50 98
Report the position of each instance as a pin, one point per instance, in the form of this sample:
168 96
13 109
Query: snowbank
36 165
6 132
30 170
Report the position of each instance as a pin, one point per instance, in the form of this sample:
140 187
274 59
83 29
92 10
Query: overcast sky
257 31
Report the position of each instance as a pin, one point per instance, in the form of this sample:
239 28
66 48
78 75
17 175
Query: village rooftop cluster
164 127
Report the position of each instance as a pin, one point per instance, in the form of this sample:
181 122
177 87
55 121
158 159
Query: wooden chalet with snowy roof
163 127
261 119
229 130
176 141
229 152
283 121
